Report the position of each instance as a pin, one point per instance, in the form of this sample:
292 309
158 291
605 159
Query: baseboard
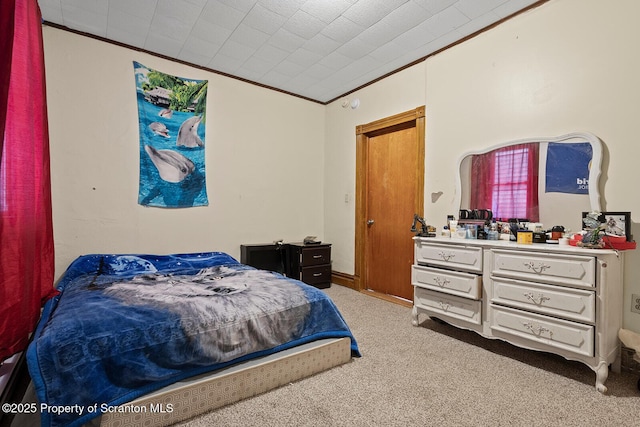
343 279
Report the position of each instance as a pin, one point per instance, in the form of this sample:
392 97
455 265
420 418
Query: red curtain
26 231
506 181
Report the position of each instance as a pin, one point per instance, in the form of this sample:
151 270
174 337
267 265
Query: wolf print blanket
125 325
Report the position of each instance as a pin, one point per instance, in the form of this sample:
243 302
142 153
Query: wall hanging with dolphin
171 116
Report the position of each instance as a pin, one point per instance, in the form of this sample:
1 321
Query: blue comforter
125 325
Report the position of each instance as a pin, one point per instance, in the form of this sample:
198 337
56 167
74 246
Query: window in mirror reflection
506 181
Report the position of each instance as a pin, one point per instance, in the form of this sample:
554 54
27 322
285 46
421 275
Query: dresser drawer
452 282
449 256
316 274
561 334
448 305
570 270
570 303
315 256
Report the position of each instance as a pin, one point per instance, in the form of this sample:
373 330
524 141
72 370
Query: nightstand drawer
316 274
315 256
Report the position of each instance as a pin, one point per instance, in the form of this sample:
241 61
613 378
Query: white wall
569 65
264 159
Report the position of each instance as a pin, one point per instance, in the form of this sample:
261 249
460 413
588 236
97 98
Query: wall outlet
635 303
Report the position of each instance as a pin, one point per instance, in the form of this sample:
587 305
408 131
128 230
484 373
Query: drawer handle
444 305
442 282
540 268
317 256
537 330
536 300
317 274
446 257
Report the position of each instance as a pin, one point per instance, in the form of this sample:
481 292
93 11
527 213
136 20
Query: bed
161 338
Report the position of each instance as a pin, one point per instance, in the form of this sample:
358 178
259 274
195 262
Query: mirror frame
594 172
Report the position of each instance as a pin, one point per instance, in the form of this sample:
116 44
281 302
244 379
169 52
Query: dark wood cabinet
269 256
310 263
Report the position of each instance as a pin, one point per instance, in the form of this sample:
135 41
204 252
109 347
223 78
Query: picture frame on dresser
617 223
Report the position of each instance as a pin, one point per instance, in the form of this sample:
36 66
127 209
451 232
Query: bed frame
195 396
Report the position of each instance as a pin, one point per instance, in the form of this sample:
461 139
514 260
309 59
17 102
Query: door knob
370 222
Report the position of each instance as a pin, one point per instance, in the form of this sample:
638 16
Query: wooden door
390 185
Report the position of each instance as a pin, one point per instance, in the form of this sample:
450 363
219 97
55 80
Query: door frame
363 132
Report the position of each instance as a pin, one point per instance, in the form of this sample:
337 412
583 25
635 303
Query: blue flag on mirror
171 115
568 166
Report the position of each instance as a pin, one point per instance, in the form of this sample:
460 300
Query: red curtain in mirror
26 232
506 181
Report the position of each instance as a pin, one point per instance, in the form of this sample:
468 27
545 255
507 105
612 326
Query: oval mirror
546 180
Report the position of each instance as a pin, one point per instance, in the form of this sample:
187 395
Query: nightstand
310 263
268 256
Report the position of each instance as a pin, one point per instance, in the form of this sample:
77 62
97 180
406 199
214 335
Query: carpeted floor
435 375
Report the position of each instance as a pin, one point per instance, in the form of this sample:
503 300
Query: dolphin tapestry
171 115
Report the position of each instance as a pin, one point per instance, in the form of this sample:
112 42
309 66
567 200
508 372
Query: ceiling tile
221 14
325 10
174 19
249 36
233 49
387 52
473 9
90 17
193 56
446 21
270 53
416 37
127 28
288 68
156 42
367 12
285 8
286 40
243 6
202 46
335 61
342 30
264 19
303 25
225 64
321 44
319 71
142 9
215 33
435 6
304 57
258 66
355 48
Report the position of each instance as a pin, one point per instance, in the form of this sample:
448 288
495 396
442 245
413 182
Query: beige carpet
435 375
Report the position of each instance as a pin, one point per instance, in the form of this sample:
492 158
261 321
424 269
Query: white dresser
558 299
